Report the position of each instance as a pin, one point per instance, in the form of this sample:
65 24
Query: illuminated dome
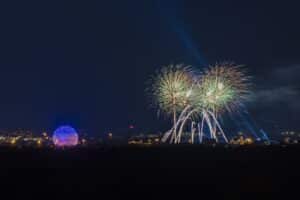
65 136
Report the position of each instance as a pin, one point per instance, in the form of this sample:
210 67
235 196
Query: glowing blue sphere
65 136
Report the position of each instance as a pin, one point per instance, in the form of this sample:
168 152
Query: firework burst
177 90
223 87
171 92
171 88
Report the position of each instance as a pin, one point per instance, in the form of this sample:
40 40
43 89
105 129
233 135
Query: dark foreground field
160 172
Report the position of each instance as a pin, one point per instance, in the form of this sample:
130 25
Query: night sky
86 63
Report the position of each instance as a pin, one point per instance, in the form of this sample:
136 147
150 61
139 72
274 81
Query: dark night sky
86 63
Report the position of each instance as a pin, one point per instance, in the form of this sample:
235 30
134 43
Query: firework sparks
171 91
172 88
222 87
176 89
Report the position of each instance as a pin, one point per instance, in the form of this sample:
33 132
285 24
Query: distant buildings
242 140
290 137
144 139
25 138
25 141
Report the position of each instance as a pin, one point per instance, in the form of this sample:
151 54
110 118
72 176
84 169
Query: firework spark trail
183 123
167 135
170 91
221 88
218 125
179 120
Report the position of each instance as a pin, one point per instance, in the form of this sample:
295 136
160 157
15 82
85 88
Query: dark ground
159 172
